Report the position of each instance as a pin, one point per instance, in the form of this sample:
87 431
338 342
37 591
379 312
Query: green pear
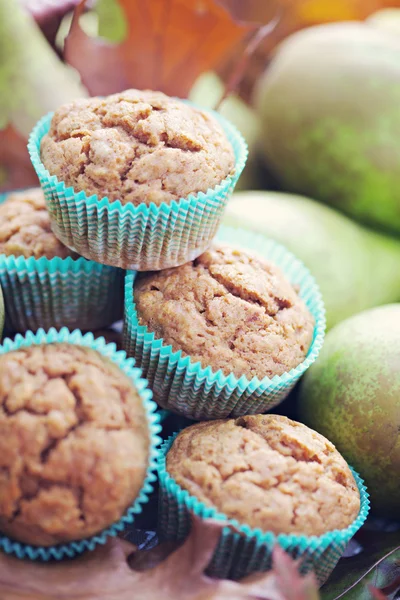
207 91
355 268
352 396
330 109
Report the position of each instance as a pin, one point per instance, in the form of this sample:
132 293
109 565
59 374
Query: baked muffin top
74 443
25 227
266 471
136 146
229 310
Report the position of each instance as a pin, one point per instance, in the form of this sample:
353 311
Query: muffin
227 334
45 283
25 227
229 310
271 481
144 176
138 147
74 443
268 472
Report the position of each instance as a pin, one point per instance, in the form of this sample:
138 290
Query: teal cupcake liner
163 414
59 292
243 550
185 387
127 365
144 237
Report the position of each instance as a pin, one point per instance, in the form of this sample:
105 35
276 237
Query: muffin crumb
229 310
25 228
74 443
136 146
266 471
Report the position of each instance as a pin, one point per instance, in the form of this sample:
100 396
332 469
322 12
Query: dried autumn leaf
169 43
256 12
291 584
105 574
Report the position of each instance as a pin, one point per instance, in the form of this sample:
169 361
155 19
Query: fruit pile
322 123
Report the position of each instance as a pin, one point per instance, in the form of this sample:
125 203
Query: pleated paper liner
143 237
188 389
59 292
58 552
243 550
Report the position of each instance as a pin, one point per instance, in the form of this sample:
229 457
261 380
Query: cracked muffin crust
74 443
136 146
229 310
25 227
266 471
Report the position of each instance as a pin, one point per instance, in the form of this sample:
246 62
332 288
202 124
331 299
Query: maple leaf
116 572
169 43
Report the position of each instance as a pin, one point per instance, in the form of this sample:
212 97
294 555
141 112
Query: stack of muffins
221 323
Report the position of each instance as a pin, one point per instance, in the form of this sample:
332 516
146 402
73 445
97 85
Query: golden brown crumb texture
136 146
73 443
268 472
25 227
229 310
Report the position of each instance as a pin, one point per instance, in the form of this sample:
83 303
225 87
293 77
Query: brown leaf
257 12
170 42
16 170
105 574
291 584
95 575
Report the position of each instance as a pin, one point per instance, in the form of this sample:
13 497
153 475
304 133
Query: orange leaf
115 572
170 42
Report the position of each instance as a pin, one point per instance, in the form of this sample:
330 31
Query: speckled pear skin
329 104
351 395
